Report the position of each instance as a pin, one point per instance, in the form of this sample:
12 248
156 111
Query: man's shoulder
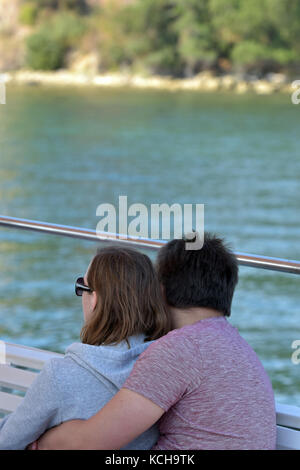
198 333
190 339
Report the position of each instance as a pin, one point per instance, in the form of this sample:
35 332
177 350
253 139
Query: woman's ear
94 299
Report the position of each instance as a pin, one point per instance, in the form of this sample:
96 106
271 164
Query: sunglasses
80 287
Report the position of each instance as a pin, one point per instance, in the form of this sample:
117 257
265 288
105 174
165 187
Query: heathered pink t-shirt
212 386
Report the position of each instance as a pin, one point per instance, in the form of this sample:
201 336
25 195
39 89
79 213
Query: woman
123 313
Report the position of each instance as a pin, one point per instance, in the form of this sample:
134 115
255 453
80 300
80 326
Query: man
202 380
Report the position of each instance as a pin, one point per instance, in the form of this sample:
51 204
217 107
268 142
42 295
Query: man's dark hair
198 278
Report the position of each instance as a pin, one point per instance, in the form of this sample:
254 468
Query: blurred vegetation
28 13
47 47
174 37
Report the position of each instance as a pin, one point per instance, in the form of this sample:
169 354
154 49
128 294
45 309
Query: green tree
47 47
192 24
28 13
257 32
285 17
75 5
44 52
140 34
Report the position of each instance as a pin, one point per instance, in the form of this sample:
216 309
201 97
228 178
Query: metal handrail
244 259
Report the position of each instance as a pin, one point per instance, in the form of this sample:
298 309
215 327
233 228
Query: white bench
23 363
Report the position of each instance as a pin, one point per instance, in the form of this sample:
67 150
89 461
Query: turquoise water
65 151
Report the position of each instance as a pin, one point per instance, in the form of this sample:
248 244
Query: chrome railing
244 259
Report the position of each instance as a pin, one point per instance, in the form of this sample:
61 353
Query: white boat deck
23 363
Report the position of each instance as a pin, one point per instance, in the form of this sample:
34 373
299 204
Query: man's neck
182 317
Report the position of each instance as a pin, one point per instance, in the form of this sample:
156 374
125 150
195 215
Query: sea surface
64 151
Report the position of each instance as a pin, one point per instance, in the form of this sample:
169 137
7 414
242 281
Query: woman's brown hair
129 299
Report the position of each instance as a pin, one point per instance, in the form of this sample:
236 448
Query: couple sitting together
158 367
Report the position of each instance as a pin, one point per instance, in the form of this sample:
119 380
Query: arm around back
121 420
152 387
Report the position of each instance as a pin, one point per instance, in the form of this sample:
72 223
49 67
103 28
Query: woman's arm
38 411
121 420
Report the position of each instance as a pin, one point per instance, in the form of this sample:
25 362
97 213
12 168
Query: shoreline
203 82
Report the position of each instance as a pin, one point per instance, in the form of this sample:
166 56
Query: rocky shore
203 82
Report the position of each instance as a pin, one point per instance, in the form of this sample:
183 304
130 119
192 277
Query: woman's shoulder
56 366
